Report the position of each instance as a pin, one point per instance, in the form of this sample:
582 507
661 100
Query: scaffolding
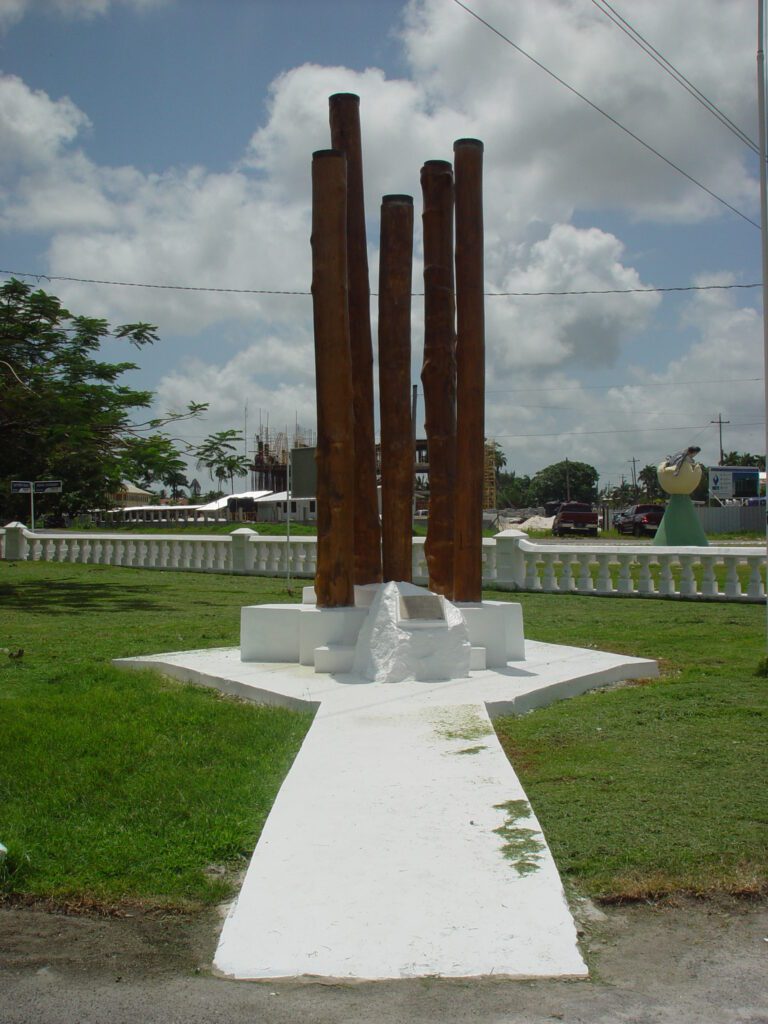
271 451
489 475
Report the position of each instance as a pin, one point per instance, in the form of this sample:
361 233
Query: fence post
241 564
510 561
15 544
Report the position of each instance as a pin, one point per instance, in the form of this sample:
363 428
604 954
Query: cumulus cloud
547 156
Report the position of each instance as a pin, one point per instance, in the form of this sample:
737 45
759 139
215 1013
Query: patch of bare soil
702 961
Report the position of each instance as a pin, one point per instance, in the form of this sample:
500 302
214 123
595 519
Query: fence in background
510 561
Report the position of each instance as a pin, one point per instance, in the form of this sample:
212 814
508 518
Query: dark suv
639 519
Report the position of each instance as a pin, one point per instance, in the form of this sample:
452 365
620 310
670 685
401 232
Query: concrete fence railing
510 561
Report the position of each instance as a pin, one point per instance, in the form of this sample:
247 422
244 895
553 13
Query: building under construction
271 450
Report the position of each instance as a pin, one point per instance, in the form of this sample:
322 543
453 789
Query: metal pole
763 217
32 506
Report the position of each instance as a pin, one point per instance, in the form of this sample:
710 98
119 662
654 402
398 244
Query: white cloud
12 11
547 156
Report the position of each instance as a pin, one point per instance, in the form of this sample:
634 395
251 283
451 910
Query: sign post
33 487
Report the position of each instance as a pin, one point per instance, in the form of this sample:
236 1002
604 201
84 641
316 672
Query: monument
401 843
679 476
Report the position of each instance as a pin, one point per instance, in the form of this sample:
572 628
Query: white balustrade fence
510 561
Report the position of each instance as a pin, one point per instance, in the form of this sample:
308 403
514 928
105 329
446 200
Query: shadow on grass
73 598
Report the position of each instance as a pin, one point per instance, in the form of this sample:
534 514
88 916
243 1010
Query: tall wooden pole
397 451
334 580
470 370
438 372
345 137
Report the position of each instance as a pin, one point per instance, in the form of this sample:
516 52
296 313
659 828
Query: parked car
575 517
618 517
640 519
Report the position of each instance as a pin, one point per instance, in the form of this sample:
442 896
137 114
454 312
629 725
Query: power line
277 291
628 430
608 387
629 30
608 116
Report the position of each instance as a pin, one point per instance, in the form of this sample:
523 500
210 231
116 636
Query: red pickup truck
575 517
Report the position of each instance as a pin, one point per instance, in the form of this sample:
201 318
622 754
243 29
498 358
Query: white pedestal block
498 627
270 632
324 637
321 627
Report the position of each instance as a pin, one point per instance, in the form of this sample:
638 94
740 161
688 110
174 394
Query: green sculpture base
680 527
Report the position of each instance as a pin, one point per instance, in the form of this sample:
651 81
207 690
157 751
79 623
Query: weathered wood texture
345 137
397 453
438 372
470 370
334 582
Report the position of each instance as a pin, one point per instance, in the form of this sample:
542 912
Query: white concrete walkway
401 843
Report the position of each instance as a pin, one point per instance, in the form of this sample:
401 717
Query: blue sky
169 142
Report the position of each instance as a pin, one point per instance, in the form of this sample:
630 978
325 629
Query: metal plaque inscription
421 606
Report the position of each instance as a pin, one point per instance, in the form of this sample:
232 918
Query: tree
743 459
513 490
218 454
577 480
64 412
648 479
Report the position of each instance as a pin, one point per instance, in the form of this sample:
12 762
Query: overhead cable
277 291
610 12
608 116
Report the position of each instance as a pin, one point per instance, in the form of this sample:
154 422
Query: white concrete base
322 637
381 857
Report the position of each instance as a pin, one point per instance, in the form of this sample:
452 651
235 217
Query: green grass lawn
120 786
657 787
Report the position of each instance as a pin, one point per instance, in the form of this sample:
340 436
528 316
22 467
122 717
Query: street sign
47 486
21 486
734 481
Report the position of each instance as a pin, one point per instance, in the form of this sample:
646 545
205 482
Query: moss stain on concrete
462 722
522 846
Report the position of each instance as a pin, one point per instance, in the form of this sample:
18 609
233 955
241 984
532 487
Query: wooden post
334 581
438 372
470 371
345 137
397 451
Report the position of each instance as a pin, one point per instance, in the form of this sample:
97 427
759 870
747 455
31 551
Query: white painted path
382 856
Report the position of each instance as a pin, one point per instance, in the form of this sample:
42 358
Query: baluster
604 581
532 581
567 582
708 578
644 578
584 582
625 584
755 588
312 560
150 554
687 579
548 577
732 581
666 577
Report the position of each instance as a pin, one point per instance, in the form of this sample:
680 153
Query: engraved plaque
421 606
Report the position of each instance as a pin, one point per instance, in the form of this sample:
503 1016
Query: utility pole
633 460
720 421
567 481
763 206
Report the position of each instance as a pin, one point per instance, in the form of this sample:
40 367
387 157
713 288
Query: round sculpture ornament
680 474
